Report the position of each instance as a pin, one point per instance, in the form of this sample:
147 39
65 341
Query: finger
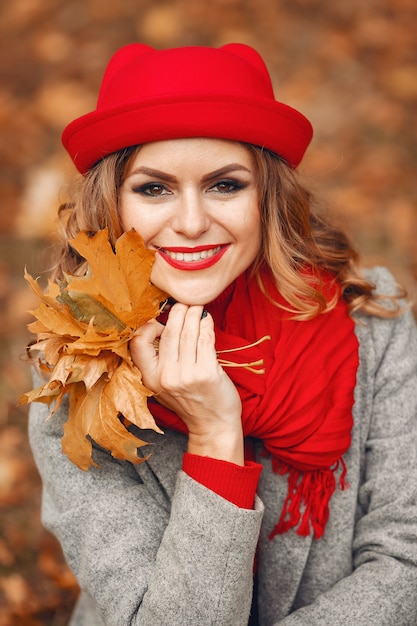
144 353
170 338
206 348
189 335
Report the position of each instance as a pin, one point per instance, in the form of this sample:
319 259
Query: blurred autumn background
349 65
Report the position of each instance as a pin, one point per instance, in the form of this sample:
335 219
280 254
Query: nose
191 217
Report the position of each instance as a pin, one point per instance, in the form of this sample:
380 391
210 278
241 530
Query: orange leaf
137 262
53 315
122 392
94 418
83 328
105 278
118 280
85 308
75 443
93 342
51 345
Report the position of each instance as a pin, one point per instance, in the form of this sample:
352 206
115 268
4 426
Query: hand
186 377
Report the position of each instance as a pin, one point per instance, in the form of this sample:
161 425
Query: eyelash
232 184
232 187
146 189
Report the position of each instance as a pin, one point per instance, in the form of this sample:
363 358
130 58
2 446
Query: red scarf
301 406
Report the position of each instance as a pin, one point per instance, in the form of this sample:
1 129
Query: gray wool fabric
150 546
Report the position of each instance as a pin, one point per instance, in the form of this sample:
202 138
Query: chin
193 300
194 297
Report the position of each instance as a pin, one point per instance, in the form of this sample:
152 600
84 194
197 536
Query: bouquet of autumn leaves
83 327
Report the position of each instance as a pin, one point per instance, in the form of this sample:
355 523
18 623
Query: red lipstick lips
191 259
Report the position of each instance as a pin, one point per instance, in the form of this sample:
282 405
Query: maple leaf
83 326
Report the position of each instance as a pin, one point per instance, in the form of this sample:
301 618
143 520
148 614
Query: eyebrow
222 171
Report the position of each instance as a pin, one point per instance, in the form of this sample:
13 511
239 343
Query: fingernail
165 305
204 314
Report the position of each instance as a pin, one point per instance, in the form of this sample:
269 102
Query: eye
154 190
228 185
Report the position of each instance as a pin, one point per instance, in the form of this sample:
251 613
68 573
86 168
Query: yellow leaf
83 326
86 308
75 442
52 346
105 277
53 315
48 393
137 262
95 418
93 343
40 394
81 368
118 280
122 392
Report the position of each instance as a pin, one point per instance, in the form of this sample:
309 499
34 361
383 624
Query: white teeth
189 257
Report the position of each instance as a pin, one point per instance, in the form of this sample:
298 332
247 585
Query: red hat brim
149 95
271 125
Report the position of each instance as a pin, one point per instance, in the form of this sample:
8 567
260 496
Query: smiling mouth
195 259
191 257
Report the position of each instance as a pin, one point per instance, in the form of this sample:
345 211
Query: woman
281 496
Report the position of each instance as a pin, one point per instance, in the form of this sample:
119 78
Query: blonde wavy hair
298 245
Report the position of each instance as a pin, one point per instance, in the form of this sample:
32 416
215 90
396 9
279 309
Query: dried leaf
52 315
83 326
122 391
75 443
123 272
85 308
104 268
95 416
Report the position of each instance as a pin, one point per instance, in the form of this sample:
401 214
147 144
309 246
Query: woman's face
195 202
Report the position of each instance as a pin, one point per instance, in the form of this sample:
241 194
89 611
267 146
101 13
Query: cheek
131 217
154 276
255 237
253 246
160 276
250 229
125 214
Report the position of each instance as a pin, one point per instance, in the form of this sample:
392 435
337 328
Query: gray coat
150 546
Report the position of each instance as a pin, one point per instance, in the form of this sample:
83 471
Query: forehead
193 152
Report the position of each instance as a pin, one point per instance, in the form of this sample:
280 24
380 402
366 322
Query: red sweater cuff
235 483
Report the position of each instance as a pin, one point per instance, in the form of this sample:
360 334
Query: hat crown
139 73
194 91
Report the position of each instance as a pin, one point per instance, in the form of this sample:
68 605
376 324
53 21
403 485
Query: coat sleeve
381 591
142 556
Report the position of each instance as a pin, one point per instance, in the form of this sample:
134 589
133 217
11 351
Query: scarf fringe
307 501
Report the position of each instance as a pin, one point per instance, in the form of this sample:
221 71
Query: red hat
152 95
